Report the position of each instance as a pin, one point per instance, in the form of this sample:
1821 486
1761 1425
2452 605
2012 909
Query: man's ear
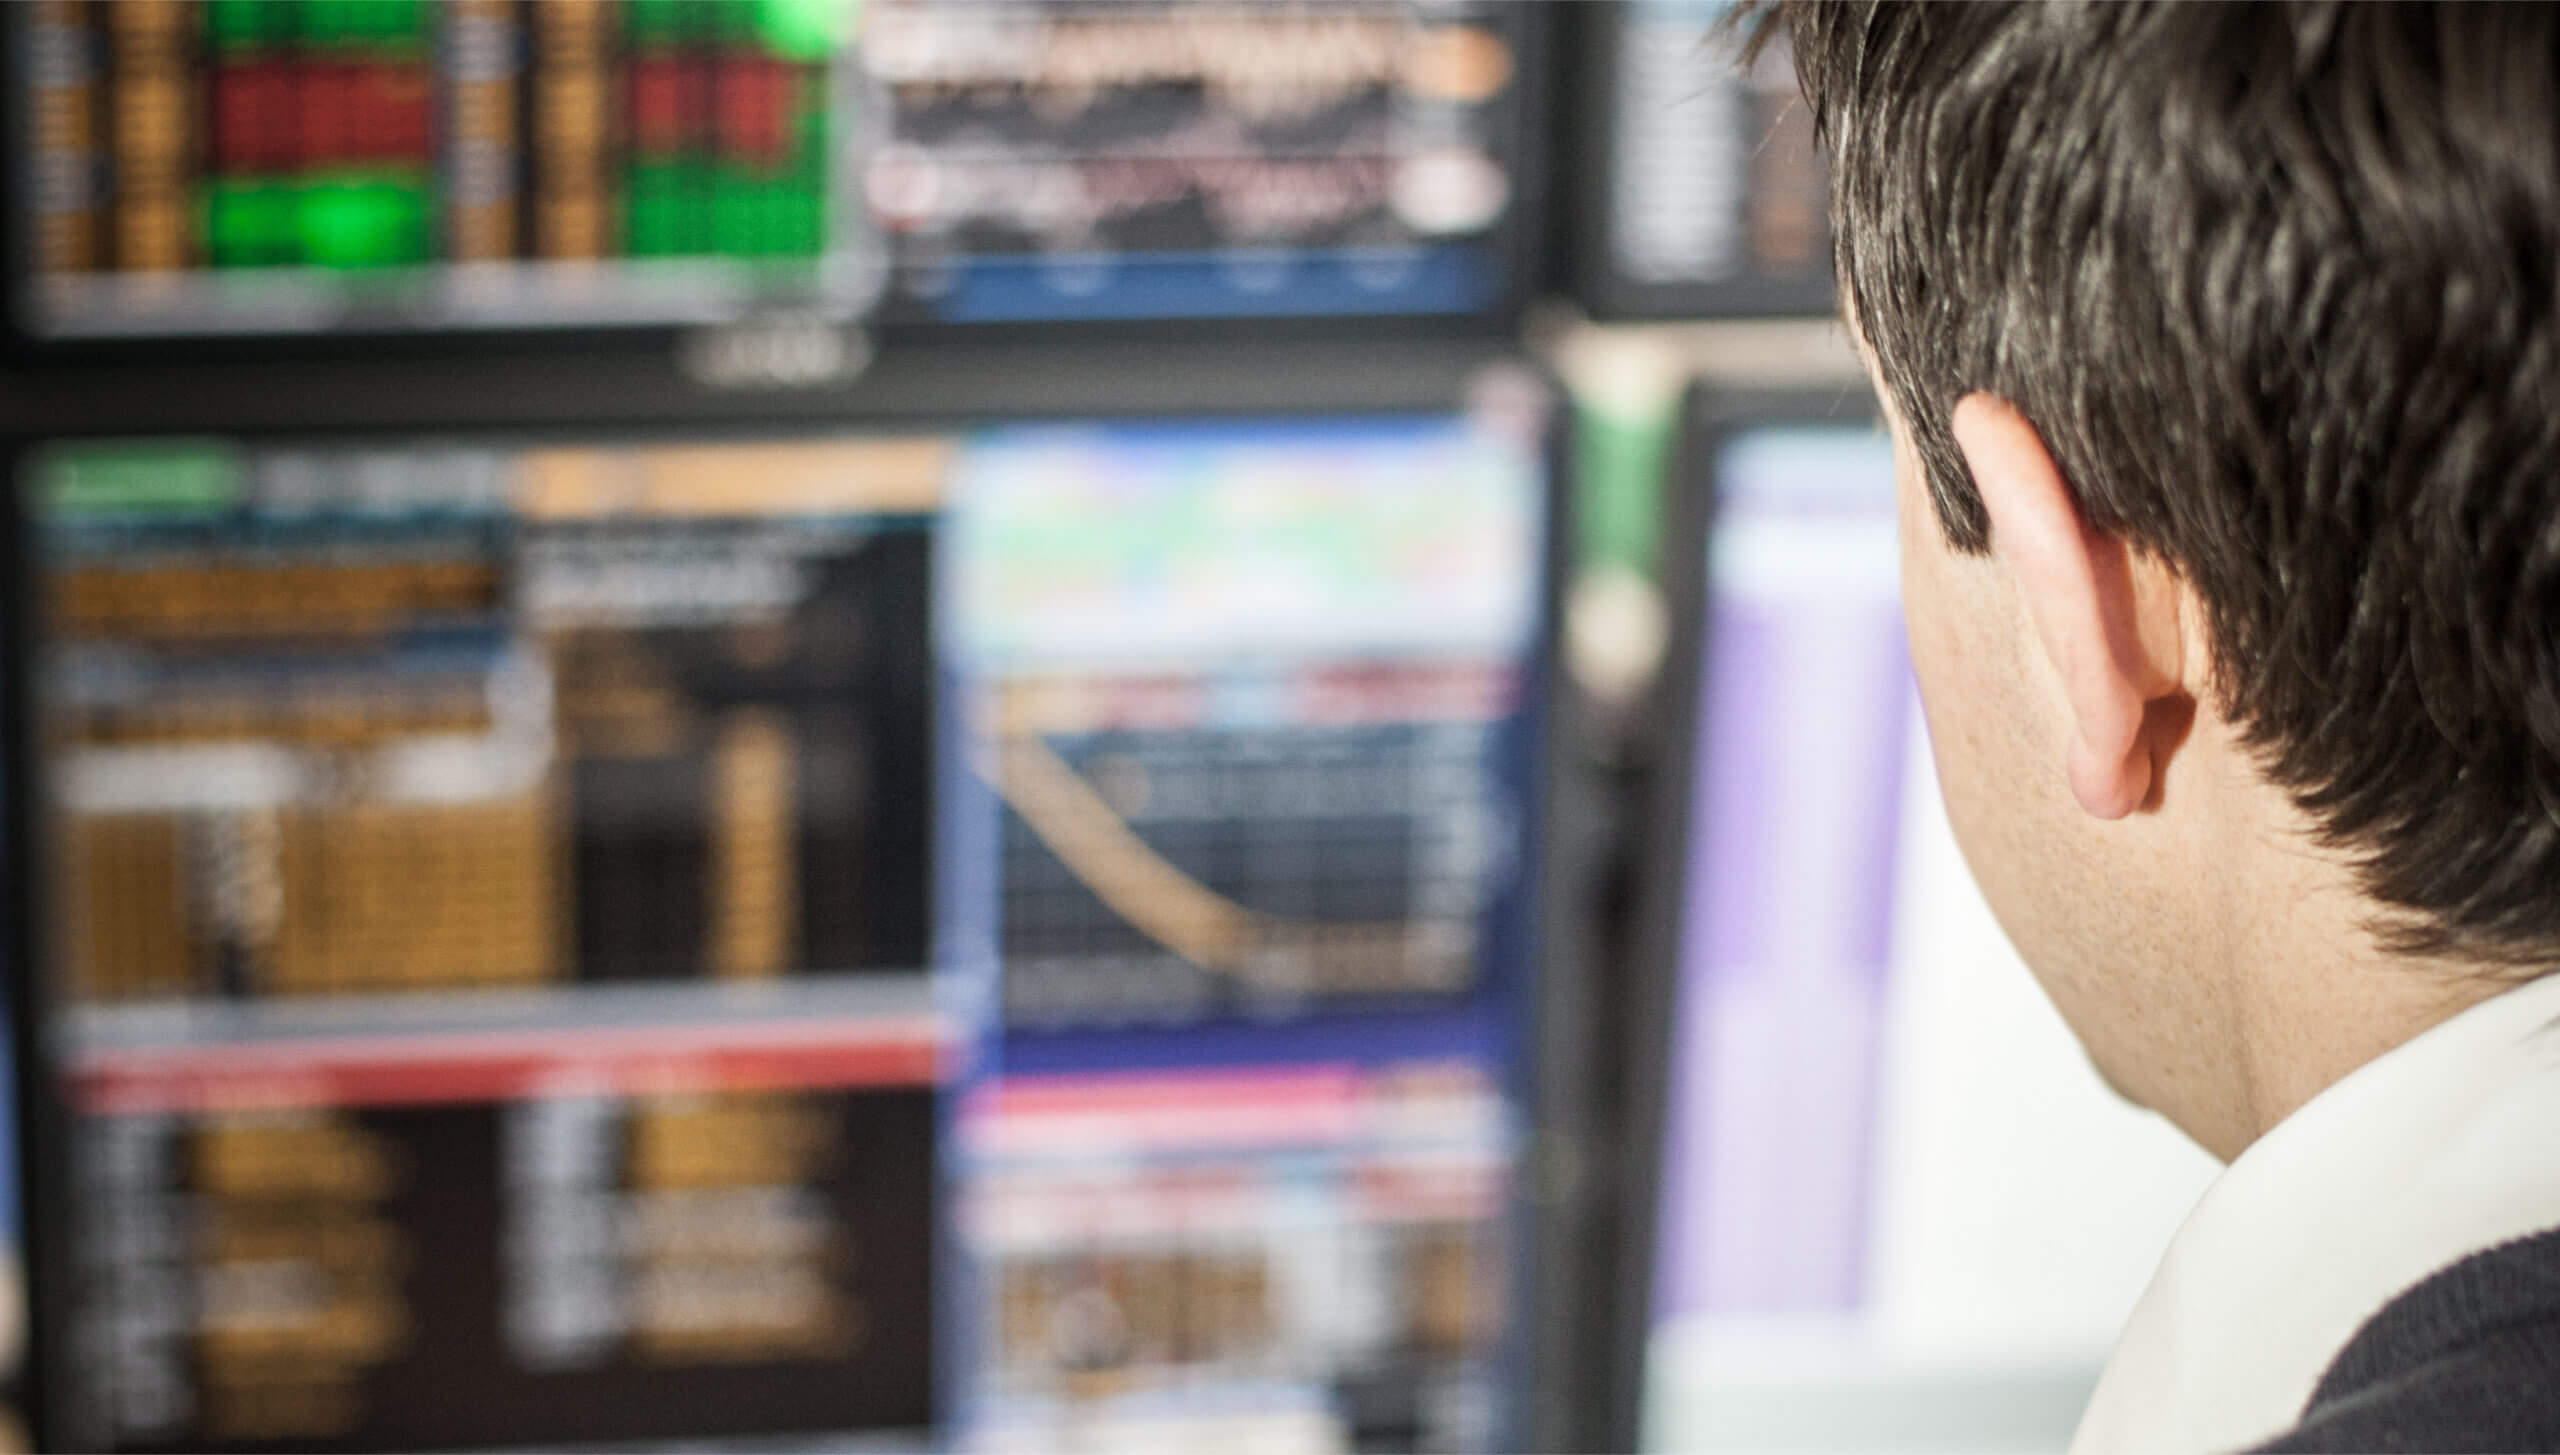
2110 631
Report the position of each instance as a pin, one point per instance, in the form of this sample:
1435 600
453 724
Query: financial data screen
1714 197
294 166
1020 929
1897 1210
1251 719
491 889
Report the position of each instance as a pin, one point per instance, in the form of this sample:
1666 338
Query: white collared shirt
2437 1149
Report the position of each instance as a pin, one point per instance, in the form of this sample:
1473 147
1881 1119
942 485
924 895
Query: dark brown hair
2276 284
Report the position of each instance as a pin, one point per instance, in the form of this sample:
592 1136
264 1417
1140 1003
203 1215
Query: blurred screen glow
491 908
701 937
1898 1211
209 167
1250 711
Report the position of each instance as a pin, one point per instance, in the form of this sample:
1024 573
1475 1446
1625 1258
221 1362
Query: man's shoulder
2467 1360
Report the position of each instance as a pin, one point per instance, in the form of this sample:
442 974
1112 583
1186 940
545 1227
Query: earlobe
2109 783
2082 597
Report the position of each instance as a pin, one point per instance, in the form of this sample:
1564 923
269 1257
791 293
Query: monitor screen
708 936
228 167
490 885
1254 719
1896 1209
1706 195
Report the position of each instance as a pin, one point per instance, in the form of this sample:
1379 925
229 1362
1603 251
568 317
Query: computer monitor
483 967
1252 721
1883 1202
984 930
298 167
1700 191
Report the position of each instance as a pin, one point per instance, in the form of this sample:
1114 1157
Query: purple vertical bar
1787 923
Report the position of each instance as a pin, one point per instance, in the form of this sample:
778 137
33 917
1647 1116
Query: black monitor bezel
1709 418
636 398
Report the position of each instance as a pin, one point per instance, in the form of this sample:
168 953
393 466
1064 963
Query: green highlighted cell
654 21
801 224
159 477
735 223
252 222
664 209
233 25
384 23
364 222
802 30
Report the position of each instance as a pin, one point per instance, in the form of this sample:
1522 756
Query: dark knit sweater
2468 1360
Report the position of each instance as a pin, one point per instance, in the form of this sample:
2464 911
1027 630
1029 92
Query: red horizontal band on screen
511 1065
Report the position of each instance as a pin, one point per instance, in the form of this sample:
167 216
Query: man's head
2223 346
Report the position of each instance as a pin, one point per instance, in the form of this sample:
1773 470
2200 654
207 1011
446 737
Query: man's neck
2311 993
